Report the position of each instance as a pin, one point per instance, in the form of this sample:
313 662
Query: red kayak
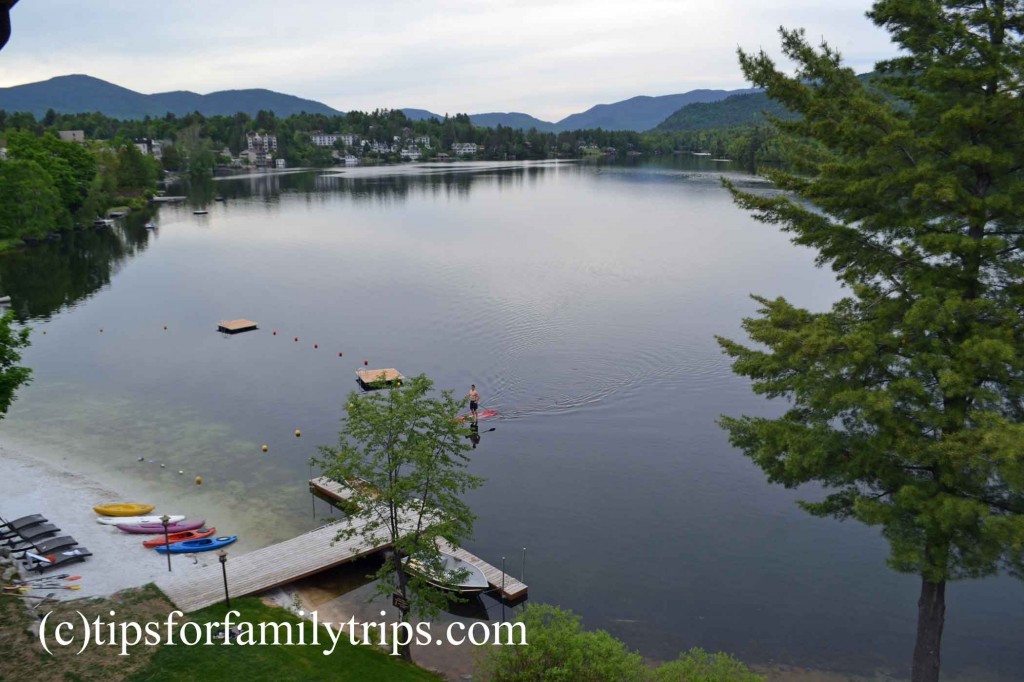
180 537
158 528
481 414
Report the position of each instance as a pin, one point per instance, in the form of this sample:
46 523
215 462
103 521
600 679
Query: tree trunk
404 651
931 616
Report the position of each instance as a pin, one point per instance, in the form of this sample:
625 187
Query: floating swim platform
236 326
372 379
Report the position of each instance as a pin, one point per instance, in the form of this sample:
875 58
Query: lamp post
165 519
223 556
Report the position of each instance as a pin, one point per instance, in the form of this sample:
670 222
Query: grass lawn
22 657
277 663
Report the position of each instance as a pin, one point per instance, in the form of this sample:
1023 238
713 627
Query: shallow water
581 300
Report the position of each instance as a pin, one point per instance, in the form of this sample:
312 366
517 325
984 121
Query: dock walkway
268 567
509 588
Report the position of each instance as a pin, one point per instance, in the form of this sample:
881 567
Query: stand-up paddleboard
481 414
137 520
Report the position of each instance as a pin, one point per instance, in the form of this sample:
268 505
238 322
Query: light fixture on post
165 519
223 556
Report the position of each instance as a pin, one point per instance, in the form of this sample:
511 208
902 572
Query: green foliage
70 166
282 663
560 650
907 397
136 172
697 665
30 205
403 453
12 375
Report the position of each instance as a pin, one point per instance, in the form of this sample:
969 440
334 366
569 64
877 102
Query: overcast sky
549 58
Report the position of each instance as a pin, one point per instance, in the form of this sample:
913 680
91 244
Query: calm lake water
581 300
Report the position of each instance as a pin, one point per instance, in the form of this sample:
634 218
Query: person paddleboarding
474 400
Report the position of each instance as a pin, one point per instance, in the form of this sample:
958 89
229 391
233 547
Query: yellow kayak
126 509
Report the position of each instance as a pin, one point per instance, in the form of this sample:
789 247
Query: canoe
475 580
158 528
204 545
137 520
126 509
181 537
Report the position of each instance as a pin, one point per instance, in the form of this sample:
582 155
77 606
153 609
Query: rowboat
444 576
158 528
181 537
124 509
137 520
204 545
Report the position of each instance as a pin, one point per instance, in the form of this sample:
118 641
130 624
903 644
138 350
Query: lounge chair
48 546
23 522
31 534
60 558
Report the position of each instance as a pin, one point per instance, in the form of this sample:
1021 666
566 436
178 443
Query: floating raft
236 326
371 379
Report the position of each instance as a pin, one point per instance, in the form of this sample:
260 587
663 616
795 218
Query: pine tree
907 397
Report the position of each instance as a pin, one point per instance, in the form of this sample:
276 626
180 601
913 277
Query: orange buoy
199 480
264 448
297 433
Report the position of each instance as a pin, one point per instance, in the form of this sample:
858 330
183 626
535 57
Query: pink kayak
154 528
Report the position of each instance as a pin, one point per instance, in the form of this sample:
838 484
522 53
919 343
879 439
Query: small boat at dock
453 574
200 212
180 537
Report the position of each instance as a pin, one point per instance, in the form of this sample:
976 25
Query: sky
548 58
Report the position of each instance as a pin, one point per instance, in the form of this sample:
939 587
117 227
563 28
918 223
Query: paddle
35 580
44 587
31 596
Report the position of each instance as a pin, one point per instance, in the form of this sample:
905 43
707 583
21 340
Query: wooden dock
507 587
371 379
269 567
236 326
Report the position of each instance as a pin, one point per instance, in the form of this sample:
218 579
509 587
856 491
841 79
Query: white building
349 139
464 148
280 163
72 135
261 146
422 141
323 139
412 153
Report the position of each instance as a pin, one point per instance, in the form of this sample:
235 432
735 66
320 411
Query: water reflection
43 279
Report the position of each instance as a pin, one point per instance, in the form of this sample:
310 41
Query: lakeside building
464 148
72 135
261 146
422 141
149 147
323 139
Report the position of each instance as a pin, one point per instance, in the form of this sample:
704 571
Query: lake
582 300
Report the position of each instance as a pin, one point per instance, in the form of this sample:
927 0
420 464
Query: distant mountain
421 114
640 113
513 119
731 111
79 93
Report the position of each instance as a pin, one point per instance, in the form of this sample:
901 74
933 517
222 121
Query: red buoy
275 332
296 338
366 363
339 354
315 346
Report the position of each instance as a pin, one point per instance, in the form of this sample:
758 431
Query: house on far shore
72 135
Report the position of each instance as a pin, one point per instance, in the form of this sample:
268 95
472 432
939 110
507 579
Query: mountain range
80 93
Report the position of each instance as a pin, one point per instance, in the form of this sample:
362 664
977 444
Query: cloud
549 58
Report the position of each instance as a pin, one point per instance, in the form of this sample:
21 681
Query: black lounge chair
23 522
60 558
48 546
31 534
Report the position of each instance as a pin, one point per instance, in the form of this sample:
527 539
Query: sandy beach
38 482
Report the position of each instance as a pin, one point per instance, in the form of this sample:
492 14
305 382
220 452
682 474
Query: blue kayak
202 545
